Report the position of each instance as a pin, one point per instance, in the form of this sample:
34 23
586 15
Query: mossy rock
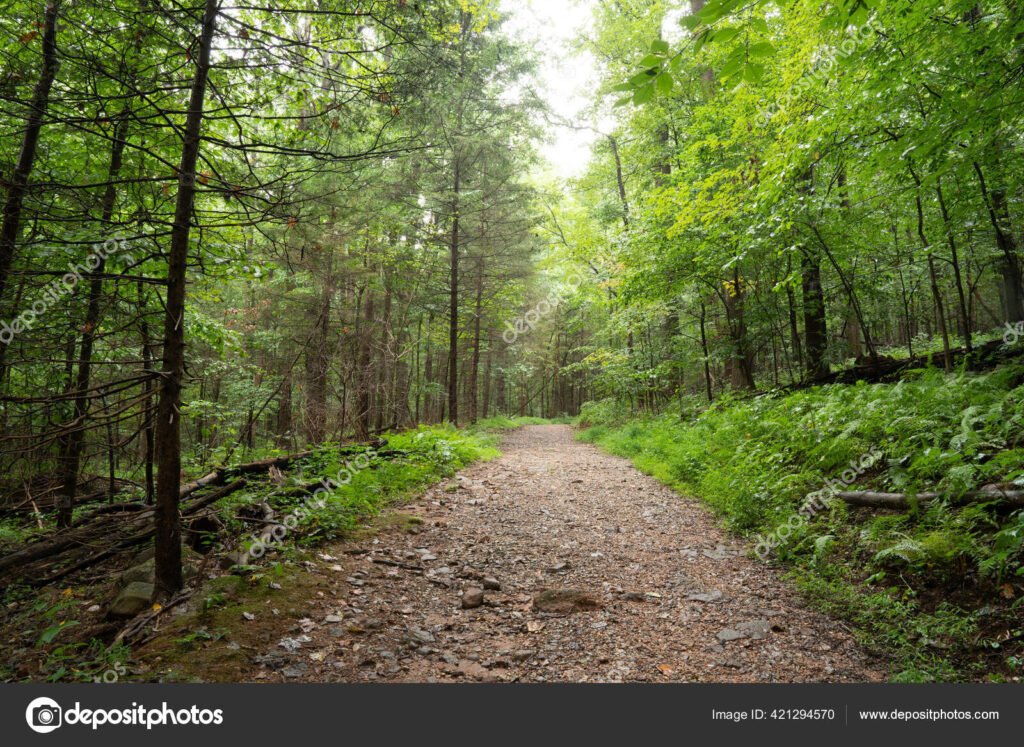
133 599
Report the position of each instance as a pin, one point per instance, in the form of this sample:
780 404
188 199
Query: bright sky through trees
567 77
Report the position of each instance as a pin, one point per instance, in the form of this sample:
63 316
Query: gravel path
642 586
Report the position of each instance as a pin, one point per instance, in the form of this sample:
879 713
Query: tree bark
11 226
474 368
954 258
998 213
168 420
453 302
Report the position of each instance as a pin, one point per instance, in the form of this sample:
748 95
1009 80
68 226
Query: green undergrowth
936 588
57 642
506 423
362 482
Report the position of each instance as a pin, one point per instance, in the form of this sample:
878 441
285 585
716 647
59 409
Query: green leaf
642 79
643 95
51 632
664 82
652 60
691 21
753 72
722 35
761 49
659 46
731 67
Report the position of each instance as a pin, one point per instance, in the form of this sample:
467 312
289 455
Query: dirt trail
676 598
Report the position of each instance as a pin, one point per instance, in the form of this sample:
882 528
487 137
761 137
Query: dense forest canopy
237 230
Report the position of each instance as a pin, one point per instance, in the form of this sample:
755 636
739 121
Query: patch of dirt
589 572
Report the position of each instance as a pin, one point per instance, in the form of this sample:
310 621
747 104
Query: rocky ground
556 562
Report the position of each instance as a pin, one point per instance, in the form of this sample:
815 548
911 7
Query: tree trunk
954 258
364 399
940 311
474 366
428 373
453 304
485 403
168 420
76 436
148 420
998 213
18 186
317 366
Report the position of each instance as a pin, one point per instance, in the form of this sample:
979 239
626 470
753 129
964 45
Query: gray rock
423 636
730 634
472 598
272 660
133 599
711 596
721 552
523 654
144 571
233 558
297 669
491 583
756 629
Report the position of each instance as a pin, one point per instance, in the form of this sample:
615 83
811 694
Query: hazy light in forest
567 77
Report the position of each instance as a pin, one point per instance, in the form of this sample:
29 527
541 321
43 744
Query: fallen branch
138 624
874 499
216 495
131 541
396 564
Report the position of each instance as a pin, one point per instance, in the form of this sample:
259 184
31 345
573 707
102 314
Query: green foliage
754 460
365 483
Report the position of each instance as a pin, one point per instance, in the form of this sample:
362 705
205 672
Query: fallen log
216 495
139 538
110 508
84 534
85 531
221 474
875 499
39 551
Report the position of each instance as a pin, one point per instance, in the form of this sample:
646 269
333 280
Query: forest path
666 595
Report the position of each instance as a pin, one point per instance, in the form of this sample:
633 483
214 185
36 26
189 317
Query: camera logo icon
44 715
